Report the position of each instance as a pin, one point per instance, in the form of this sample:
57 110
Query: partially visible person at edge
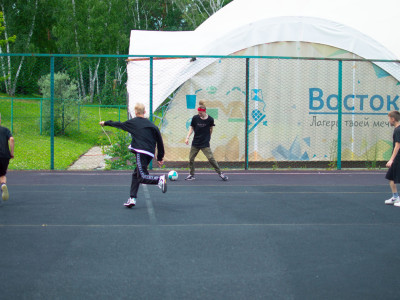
393 174
202 125
145 137
6 153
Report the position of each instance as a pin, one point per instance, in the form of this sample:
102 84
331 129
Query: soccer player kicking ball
145 137
393 174
202 125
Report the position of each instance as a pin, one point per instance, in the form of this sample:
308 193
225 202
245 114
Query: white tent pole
256 103
353 116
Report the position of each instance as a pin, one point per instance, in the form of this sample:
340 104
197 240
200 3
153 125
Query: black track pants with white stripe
141 175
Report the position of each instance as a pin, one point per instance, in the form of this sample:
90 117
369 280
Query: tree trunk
92 80
6 71
83 91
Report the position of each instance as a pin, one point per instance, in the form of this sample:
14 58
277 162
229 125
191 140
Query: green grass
32 149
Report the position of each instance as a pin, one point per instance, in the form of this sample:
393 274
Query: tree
5 41
10 39
66 101
86 27
91 27
196 12
25 12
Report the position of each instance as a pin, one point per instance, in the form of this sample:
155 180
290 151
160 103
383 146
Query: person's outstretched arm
120 125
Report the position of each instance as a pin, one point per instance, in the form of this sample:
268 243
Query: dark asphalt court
261 235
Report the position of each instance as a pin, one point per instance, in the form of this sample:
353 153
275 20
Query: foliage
333 152
32 151
19 17
120 156
85 27
5 42
66 102
196 12
371 162
10 39
75 27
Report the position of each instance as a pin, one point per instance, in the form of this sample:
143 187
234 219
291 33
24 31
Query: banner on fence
293 107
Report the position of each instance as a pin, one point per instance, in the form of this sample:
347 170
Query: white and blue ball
173 175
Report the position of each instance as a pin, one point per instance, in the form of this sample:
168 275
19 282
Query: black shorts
394 172
3 166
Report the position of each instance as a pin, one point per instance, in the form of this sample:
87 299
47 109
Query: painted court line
279 192
149 204
147 195
204 225
227 173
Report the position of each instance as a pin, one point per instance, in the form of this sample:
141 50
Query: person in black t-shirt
202 126
6 153
145 137
393 174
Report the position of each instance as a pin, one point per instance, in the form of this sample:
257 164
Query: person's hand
389 163
187 141
102 123
12 155
160 163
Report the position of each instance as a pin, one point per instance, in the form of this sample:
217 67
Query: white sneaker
130 203
190 177
392 201
4 194
162 184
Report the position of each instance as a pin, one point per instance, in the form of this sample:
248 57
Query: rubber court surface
261 235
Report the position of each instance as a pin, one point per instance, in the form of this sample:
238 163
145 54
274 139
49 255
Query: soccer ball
173 175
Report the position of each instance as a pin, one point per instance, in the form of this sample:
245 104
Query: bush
121 157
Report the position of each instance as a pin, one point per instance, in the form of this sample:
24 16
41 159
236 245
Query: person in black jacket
145 137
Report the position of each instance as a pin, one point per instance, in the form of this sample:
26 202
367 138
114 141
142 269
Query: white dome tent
346 29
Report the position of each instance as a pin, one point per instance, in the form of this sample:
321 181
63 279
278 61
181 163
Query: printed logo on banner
256 114
257 95
355 104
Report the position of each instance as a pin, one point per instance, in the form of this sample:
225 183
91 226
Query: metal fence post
12 114
246 126
41 114
339 142
79 117
52 113
151 89
151 100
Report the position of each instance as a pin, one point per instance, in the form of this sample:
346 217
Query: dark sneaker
190 177
223 176
4 194
130 203
162 184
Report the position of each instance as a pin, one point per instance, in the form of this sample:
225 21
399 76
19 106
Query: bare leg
393 186
4 190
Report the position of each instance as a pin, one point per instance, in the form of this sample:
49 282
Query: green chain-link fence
270 112
288 112
53 105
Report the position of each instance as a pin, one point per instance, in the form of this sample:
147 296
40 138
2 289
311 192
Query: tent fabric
364 28
377 19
